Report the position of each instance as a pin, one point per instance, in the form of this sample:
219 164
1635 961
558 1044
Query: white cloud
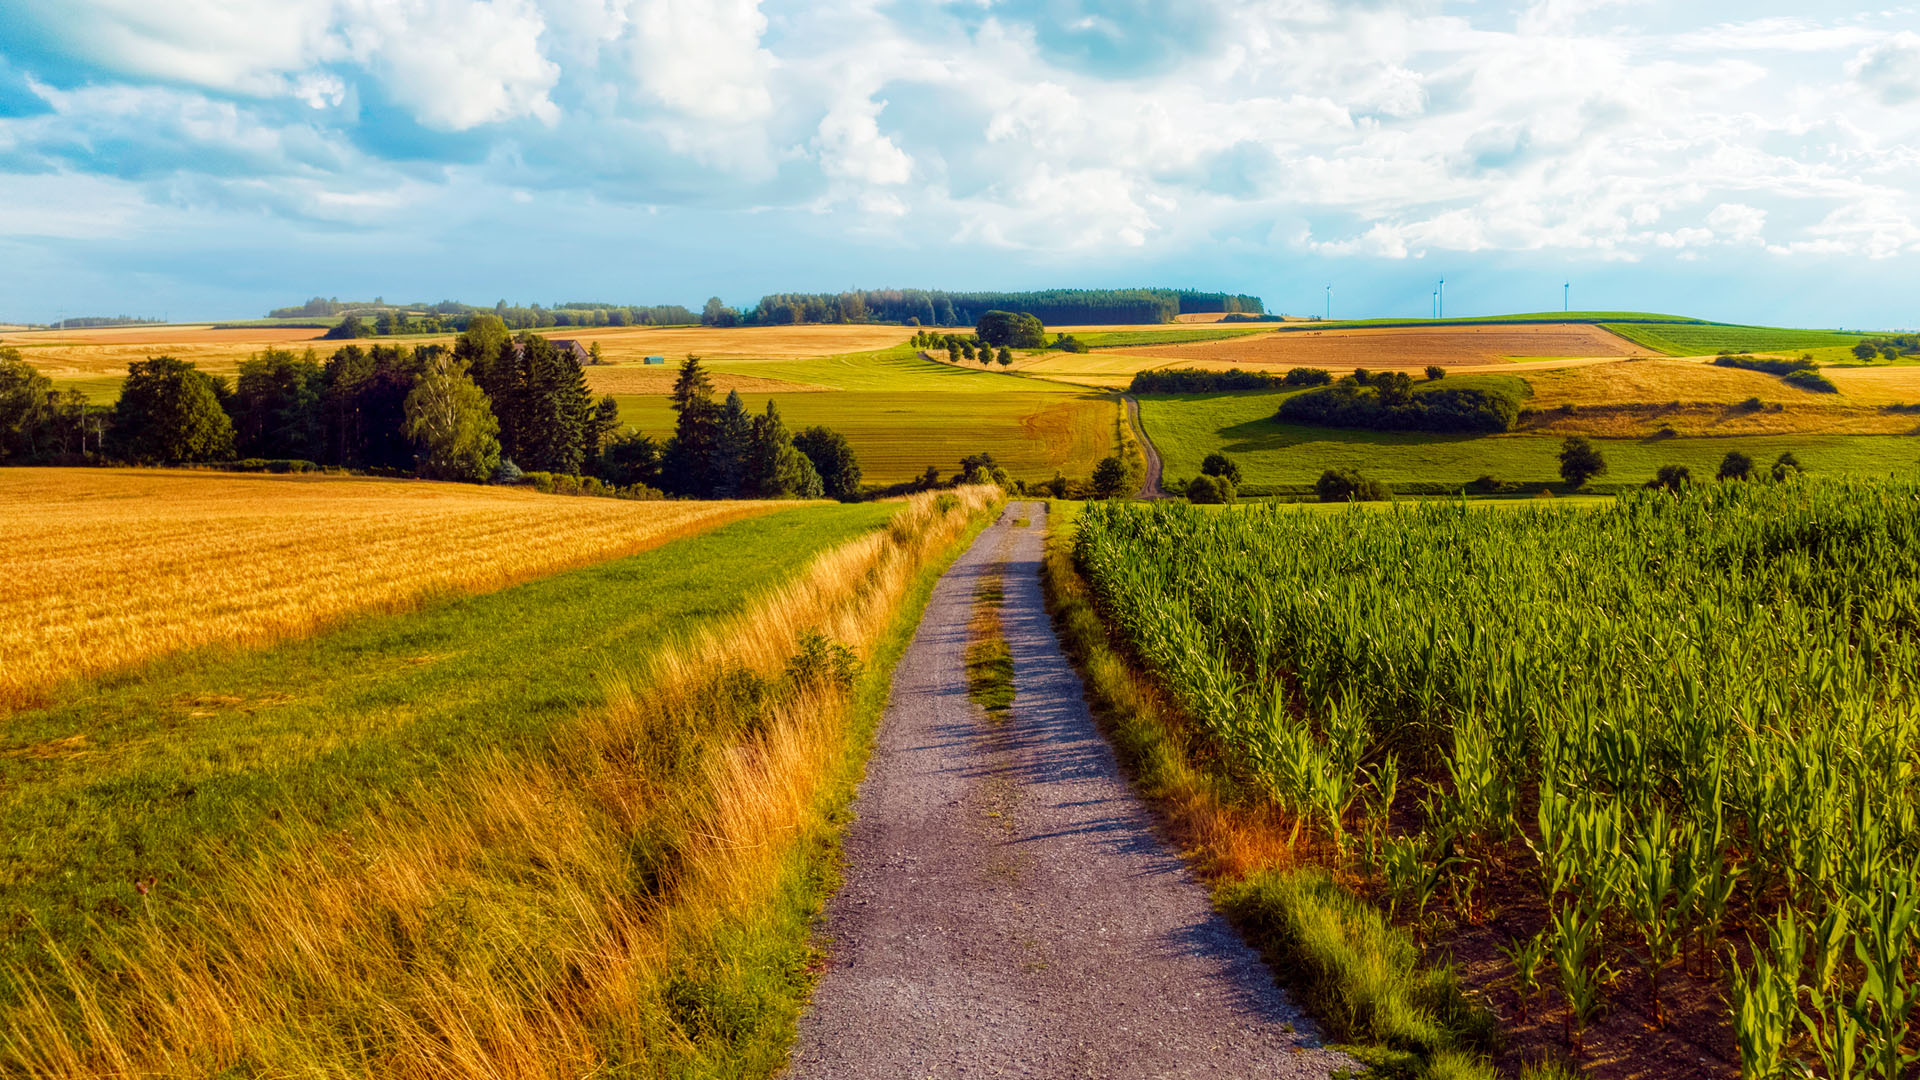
1890 69
851 147
455 64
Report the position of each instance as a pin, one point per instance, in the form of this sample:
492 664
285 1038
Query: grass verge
1366 980
616 876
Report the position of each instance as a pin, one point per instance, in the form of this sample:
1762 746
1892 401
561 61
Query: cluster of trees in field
934 307
1388 401
496 406
1626 787
959 348
86 321
1888 347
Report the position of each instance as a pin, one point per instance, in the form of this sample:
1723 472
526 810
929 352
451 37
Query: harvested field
659 378
111 567
1893 385
1405 347
203 334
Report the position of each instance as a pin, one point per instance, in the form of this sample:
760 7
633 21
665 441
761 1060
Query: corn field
1689 721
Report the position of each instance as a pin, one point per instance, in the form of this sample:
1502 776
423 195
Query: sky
1752 161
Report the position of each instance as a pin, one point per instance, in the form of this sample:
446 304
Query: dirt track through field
1009 909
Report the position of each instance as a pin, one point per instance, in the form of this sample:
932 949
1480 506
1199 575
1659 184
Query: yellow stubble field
111 567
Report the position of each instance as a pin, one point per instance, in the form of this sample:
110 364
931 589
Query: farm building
572 348
655 360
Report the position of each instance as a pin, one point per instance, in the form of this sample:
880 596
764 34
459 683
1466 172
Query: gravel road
1149 484
1009 909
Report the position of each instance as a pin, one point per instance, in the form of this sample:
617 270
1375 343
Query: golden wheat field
110 567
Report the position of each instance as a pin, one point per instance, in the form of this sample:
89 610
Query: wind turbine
1566 297
1441 294
1329 303
1433 304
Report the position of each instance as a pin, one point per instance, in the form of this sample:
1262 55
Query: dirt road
1008 908
1149 484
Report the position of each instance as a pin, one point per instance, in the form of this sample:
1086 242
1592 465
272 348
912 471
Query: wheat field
111 567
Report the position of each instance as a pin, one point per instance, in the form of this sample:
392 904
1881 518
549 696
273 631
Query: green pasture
1700 339
897 434
1280 457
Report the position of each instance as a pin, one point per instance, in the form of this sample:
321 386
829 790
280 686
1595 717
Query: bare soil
1407 346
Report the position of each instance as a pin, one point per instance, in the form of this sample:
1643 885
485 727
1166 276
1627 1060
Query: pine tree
732 441
686 468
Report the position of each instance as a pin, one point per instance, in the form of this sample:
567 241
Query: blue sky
1755 161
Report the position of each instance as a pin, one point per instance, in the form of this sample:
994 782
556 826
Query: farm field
897 434
540 831
1278 457
1407 346
1708 338
114 567
1564 748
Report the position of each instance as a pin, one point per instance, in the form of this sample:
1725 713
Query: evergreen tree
170 411
685 469
732 442
775 467
550 413
451 422
364 407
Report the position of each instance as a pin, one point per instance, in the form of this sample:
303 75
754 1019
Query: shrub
1787 465
1109 478
1346 485
1218 464
1766 364
1068 343
1435 372
1390 405
1580 461
1809 379
1210 489
1674 478
1735 466
1196 381
1752 404
1486 485
1307 376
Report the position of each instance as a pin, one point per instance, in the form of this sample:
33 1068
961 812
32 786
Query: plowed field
1405 347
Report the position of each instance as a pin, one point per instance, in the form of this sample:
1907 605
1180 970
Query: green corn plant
1526 955
1883 945
1650 888
1831 1020
1576 947
1765 1002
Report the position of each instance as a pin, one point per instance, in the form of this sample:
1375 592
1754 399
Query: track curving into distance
1150 484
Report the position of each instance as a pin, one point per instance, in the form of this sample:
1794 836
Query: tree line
447 315
935 307
496 406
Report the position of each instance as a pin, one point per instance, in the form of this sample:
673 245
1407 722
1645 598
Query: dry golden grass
1638 398
96 354
325 963
633 378
110 567
1656 381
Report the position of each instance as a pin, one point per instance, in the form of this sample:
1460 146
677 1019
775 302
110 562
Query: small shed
655 360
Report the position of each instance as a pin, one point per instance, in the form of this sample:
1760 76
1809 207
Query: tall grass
1681 719
630 897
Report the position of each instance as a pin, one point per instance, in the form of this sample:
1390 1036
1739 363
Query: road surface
1009 909
1150 484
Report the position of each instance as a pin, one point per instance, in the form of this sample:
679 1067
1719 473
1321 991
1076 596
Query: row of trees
493 405
933 307
453 315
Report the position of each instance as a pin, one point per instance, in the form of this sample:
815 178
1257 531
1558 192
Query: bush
1752 404
1109 479
1766 364
1580 461
1196 381
1735 466
1435 372
1217 464
1674 478
1390 405
1346 485
1205 489
1486 485
1068 343
1787 465
1307 376
1809 379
